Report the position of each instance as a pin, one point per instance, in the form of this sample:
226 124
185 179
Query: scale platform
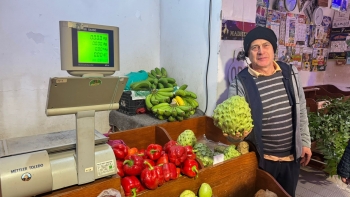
51 142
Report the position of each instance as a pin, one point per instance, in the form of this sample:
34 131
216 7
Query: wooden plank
89 189
265 181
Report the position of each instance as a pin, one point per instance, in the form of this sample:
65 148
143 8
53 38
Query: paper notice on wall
296 57
301 32
275 27
261 16
238 10
290 31
338 46
341 19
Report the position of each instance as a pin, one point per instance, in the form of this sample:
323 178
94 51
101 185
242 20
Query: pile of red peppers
152 167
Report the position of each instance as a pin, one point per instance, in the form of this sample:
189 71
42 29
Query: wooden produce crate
235 177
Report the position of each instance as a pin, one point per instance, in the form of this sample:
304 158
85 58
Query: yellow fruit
179 100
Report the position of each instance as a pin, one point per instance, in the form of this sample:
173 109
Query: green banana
154 73
150 75
158 71
160 86
180 118
164 72
183 87
166 90
141 85
171 119
154 101
161 99
191 94
148 102
180 93
170 80
179 111
185 108
168 94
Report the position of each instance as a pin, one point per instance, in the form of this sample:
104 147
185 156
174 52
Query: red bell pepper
152 177
133 165
120 151
163 159
142 153
132 151
190 153
131 185
169 171
149 161
168 145
178 172
190 168
120 168
177 154
154 151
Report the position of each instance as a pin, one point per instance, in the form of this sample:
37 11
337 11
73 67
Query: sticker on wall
95 82
235 30
261 16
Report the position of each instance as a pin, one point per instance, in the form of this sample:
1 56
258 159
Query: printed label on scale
105 167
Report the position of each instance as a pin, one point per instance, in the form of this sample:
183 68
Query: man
274 93
343 168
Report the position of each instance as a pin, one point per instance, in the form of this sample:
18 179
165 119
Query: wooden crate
235 177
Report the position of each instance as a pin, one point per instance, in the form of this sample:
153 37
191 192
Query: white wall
30 54
185 45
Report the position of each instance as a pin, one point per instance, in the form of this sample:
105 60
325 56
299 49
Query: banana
148 102
161 99
191 94
160 117
170 80
160 105
168 85
154 73
141 85
167 111
153 86
161 110
174 84
150 75
164 72
171 119
164 82
166 90
180 118
185 108
158 71
179 100
183 87
190 101
150 79
173 112
154 101
180 92
174 101
187 115
179 111
160 86
168 94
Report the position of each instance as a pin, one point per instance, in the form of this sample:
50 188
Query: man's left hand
305 156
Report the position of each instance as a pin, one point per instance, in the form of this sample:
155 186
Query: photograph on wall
261 16
235 30
306 59
312 29
285 53
338 46
319 59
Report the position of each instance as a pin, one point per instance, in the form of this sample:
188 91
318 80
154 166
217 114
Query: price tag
218 158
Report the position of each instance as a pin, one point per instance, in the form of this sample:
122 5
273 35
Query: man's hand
305 156
345 180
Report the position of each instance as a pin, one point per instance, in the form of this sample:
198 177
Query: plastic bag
135 77
110 193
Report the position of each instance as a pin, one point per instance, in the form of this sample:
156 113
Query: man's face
261 53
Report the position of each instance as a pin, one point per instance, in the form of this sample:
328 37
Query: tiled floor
315 183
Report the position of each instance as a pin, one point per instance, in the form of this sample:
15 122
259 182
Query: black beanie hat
260 33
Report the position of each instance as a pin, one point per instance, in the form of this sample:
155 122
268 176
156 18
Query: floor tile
310 194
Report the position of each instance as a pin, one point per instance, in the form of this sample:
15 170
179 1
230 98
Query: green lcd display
93 47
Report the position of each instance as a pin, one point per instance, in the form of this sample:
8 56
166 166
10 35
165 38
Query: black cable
206 78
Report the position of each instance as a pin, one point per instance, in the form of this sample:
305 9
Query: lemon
205 190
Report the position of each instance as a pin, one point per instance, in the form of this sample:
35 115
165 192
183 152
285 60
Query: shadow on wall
232 68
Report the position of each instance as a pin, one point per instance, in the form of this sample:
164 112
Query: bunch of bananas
171 112
159 79
163 95
185 97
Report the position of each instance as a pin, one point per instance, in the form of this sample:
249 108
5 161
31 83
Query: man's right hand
345 180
